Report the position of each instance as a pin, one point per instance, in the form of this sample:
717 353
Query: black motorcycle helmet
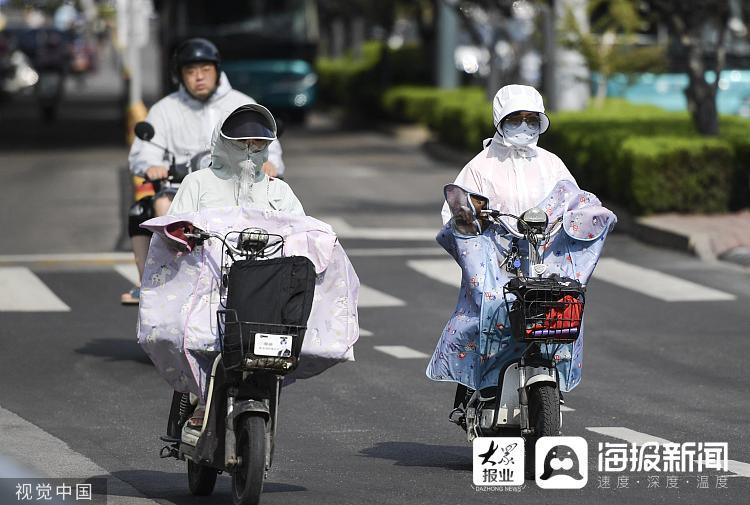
195 50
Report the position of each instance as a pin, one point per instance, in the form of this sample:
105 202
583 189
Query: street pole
133 35
550 54
447 75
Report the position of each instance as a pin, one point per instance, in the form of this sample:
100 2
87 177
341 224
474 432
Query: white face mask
521 135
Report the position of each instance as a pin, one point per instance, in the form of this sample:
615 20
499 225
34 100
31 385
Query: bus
268 47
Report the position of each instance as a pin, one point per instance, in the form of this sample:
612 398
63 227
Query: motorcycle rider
240 147
183 122
512 171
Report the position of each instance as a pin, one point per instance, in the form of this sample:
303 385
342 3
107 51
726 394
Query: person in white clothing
512 171
236 178
183 122
240 147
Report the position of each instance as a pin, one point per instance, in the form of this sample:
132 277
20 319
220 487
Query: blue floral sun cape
476 343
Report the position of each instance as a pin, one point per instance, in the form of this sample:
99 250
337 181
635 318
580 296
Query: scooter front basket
545 310
251 345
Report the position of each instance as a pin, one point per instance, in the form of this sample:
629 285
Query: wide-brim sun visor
251 121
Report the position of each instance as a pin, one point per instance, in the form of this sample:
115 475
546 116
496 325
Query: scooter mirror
144 131
465 206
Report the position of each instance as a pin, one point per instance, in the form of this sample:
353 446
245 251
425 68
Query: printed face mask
521 132
251 171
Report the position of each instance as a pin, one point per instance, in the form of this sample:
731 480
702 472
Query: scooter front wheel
201 479
544 417
247 478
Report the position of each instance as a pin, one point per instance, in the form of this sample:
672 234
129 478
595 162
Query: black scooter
266 300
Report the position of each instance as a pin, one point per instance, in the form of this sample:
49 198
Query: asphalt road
80 399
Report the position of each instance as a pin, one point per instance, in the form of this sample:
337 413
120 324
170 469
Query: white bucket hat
515 98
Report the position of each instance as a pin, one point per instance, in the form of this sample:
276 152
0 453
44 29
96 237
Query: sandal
196 420
132 297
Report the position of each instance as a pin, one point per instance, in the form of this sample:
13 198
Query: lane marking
370 297
632 436
446 271
565 408
396 251
24 442
66 258
345 230
643 280
365 333
635 437
22 291
655 284
129 271
401 351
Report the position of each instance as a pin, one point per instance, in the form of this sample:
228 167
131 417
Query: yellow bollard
136 112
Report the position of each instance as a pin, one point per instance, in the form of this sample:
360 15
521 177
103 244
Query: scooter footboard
507 411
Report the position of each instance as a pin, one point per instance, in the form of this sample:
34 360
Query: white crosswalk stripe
446 271
129 271
401 351
344 230
738 468
370 297
22 291
365 333
655 284
643 280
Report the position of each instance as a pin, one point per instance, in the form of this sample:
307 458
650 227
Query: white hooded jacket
513 178
219 185
184 125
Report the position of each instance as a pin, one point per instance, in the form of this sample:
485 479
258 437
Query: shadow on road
429 456
173 487
119 349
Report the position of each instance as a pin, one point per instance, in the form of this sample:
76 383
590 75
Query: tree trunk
601 91
701 95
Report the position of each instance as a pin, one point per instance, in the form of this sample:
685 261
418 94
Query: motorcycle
260 344
48 49
521 344
142 209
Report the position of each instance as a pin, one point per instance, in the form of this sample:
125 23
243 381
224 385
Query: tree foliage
689 22
610 46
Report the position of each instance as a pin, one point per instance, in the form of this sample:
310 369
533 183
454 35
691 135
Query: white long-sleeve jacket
514 178
184 125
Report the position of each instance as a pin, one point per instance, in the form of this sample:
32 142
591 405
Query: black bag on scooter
266 297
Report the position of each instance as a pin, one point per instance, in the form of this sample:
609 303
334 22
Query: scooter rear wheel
247 478
201 479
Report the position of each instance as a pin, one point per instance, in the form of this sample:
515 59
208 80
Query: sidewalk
713 237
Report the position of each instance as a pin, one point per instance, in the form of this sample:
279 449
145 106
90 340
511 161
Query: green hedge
357 84
642 157
673 174
461 117
351 82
